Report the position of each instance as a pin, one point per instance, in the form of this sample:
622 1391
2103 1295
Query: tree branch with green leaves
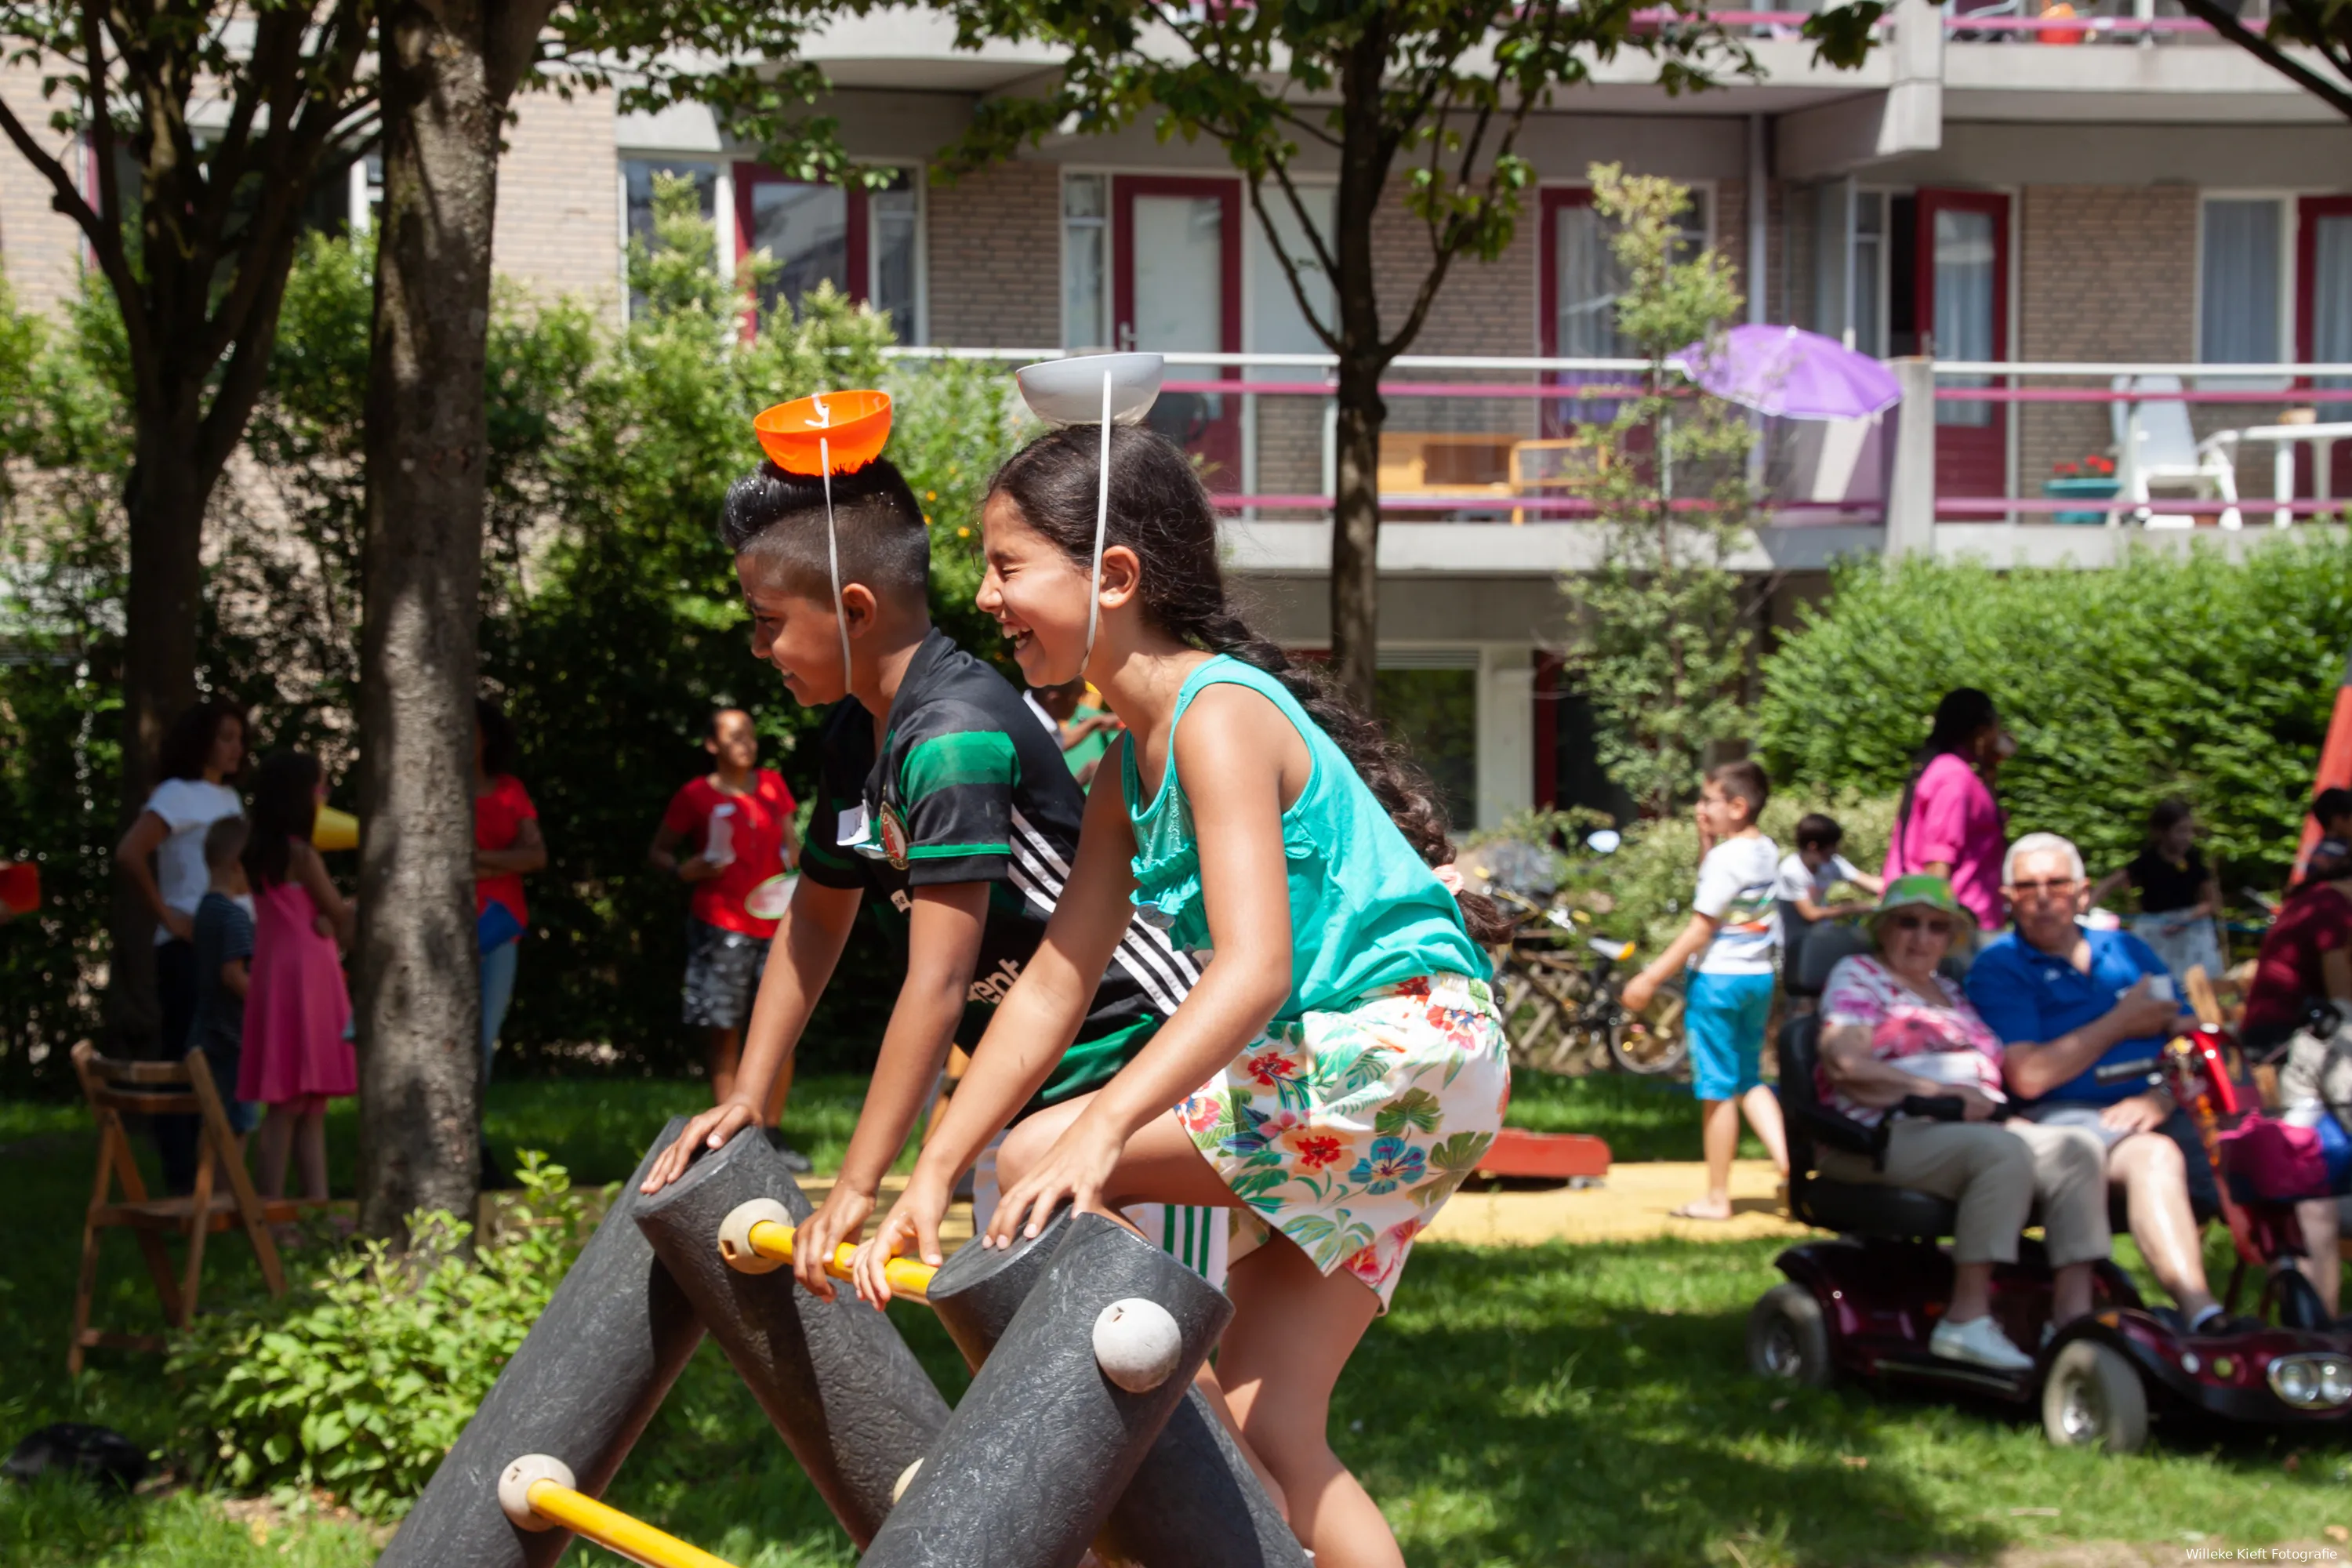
1416 102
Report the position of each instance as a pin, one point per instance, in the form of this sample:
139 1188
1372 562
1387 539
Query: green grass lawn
1538 1406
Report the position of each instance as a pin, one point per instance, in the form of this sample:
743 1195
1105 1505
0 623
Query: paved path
1636 1202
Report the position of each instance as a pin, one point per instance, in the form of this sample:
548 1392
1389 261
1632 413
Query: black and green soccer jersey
970 787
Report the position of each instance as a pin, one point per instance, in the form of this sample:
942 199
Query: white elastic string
1102 521
832 555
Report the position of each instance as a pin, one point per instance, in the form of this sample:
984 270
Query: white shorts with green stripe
1198 1238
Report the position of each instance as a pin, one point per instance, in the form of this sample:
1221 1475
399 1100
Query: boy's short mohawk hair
1744 779
884 540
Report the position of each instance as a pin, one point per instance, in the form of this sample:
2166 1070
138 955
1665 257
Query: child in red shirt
738 822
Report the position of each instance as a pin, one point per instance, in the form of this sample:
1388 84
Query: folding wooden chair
183 1087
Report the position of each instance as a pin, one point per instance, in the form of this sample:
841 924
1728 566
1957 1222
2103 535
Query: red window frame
1970 459
859 218
1221 444
2308 211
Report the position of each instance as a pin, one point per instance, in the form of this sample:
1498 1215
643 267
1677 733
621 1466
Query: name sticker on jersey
992 987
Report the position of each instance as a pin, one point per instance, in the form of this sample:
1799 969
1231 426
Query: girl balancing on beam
1340 1066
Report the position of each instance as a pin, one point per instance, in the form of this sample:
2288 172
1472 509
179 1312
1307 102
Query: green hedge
2166 675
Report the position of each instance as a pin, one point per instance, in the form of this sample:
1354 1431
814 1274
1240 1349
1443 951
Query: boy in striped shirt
942 808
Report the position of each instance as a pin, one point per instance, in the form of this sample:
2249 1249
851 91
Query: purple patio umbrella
1793 373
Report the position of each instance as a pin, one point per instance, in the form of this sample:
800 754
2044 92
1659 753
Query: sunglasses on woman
1934 925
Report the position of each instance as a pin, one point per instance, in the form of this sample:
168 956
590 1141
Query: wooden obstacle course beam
1194 1502
580 1388
1044 1443
840 1387
538 1493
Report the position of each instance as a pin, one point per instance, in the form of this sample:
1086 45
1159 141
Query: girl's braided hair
1159 510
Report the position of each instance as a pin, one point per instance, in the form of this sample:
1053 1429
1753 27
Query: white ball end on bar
1138 1343
735 1234
516 1481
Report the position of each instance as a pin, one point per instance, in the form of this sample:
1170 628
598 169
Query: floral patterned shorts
1346 1131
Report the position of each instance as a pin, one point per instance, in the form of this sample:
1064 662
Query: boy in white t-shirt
1734 934
1802 893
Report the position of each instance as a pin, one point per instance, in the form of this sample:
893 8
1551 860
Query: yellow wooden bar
907 1277
616 1532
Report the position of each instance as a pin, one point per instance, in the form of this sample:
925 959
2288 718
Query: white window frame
1330 464
1062 253
724 220
919 332
722 206
1547 245
2290 217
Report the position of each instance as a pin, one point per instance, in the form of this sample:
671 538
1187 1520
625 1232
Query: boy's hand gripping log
756 1238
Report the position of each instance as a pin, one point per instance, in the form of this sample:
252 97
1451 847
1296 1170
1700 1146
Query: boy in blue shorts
1734 934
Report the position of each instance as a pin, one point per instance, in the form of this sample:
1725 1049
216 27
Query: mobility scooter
1863 1306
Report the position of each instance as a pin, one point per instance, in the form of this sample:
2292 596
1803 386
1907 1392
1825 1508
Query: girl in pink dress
296 1006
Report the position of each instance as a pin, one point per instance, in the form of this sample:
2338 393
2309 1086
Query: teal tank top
1365 909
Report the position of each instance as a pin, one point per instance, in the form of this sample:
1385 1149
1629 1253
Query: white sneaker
1979 1341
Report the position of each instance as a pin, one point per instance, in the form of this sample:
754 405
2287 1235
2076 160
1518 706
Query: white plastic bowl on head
1070 391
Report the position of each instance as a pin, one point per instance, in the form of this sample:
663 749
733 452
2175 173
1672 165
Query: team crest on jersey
894 837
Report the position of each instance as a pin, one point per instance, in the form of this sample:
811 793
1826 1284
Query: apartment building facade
1986 188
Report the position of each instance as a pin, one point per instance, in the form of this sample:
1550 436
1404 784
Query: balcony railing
1506 440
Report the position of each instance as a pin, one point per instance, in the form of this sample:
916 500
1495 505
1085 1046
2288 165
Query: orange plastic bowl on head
848 427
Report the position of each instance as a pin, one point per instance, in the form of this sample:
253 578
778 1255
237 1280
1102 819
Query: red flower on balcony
2095 466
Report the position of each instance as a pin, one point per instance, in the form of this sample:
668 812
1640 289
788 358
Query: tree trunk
1364 156
420 1002
1356 533
166 505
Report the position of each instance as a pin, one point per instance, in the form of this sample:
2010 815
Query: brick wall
559 217
2105 272
1484 308
995 251
41 248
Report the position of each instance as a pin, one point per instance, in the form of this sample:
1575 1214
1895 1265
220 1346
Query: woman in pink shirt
1949 825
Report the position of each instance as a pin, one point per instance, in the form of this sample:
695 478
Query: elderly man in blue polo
2069 1001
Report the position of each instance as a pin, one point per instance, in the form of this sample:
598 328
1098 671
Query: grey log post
848 1397
1195 1501
585 1382
1044 1443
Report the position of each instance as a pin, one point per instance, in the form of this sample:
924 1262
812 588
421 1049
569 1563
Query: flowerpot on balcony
2080 489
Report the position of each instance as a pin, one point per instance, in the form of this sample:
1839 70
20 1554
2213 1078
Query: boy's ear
1122 575
859 607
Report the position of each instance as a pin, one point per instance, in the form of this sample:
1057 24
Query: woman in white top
164 853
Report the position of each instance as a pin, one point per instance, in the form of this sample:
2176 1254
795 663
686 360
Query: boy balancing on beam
940 800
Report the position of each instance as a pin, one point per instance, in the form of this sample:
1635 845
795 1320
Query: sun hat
1922 890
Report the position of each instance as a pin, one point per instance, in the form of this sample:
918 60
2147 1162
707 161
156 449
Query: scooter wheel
1788 1339
2093 1399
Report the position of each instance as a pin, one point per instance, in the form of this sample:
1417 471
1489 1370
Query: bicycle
1560 1005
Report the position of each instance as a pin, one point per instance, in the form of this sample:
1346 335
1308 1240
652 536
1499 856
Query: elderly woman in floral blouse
1895 1028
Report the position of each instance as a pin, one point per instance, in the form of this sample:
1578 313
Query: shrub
358 1379
1642 889
2166 675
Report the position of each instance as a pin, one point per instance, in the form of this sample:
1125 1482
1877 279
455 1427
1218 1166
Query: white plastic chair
2154 445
